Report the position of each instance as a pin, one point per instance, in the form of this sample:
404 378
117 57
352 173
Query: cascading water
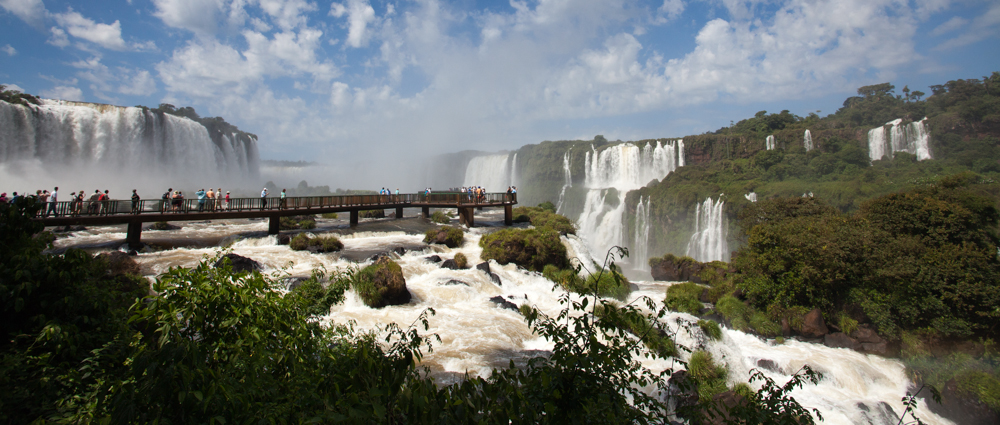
567 181
708 243
807 141
769 143
97 144
893 137
640 238
492 172
513 170
610 174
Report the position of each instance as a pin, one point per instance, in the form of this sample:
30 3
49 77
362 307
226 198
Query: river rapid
477 335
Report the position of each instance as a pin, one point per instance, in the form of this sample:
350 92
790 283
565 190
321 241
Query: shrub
381 284
730 307
371 214
331 216
528 248
461 261
297 222
453 237
440 217
846 324
540 217
683 297
547 206
710 377
654 338
315 298
763 325
603 282
328 243
711 329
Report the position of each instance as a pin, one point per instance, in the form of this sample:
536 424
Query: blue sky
343 82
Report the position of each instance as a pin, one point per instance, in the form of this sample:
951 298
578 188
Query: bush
453 237
328 243
440 217
297 222
331 216
540 217
547 206
461 261
730 307
711 329
381 284
684 297
710 377
315 298
528 248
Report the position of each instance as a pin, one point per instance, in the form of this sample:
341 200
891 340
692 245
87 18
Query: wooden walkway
135 214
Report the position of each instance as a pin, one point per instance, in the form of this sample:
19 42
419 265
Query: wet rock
433 258
841 340
786 328
703 297
770 365
450 264
284 239
379 255
813 325
294 282
880 348
864 333
452 282
120 263
503 303
484 266
673 269
162 225
388 286
684 392
495 279
133 253
399 250
727 401
68 228
961 407
239 263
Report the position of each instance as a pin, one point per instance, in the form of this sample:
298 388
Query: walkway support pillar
466 216
427 212
354 218
508 215
274 225
134 232
399 213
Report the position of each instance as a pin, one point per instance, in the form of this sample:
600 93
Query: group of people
387 196
478 193
97 203
208 200
47 199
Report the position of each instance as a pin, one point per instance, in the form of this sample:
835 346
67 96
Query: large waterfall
96 145
492 172
708 243
567 181
610 174
894 137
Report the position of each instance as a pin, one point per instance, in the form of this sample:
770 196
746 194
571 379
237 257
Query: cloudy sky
352 80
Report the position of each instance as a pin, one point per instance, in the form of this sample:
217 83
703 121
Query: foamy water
477 336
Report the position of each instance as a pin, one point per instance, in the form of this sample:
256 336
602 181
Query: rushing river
477 335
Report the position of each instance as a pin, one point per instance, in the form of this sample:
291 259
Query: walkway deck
125 212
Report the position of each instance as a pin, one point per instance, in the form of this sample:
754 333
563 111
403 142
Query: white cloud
672 8
107 36
359 15
122 80
58 37
951 25
13 87
986 25
207 68
287 14
31 11
63 93
197 16
9 50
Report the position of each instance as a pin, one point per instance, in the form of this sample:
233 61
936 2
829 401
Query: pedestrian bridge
144 211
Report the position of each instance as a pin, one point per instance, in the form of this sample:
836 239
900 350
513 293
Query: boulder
433 258
769 365
503 303
162 225
382 284
484 266
684 391
453 282
841 340
239 263
284 239
865 334
120 263
813 325
673 269
450 264
495 279
786 328
880 348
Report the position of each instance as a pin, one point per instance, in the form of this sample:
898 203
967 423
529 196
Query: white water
96 145
623 167
640 238
567 181
476 336
769 143
708 243
492 172
807 141
752 196
893 137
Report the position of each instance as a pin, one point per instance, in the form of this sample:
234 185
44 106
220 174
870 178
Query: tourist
218 199
94 204
227 201
135 202
281 205
105 202
397 194
53 198
210 196
201 199
43 198
263 198
3 197
165 200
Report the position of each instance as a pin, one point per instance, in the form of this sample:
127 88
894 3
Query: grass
711 378
440 218
711 329
329 243
684 298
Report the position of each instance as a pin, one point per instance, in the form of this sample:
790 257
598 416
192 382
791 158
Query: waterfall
769 143
640 239
911 138
708 243
99 144
567 181
610 174
513 170
492 172
807 141
752 196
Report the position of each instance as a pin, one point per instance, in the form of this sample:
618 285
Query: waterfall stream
894 137
708 243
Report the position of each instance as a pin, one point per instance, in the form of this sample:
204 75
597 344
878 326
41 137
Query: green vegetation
684 297
297 222
548 206
528 248
452 237
440 218
461 261
711 378
160 225
15 97
329 216
317 298
711 329
542 217
216 126
327 243
380 284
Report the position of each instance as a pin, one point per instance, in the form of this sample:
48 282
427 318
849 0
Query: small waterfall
567 181
95 143
610 174
640 239
513 171
894 137
752 196
807 141
769 143
708 243
492 172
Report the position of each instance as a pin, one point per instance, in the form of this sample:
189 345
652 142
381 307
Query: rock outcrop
239 263
813 325
382 284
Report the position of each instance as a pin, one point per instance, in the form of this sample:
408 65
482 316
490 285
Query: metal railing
114 207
